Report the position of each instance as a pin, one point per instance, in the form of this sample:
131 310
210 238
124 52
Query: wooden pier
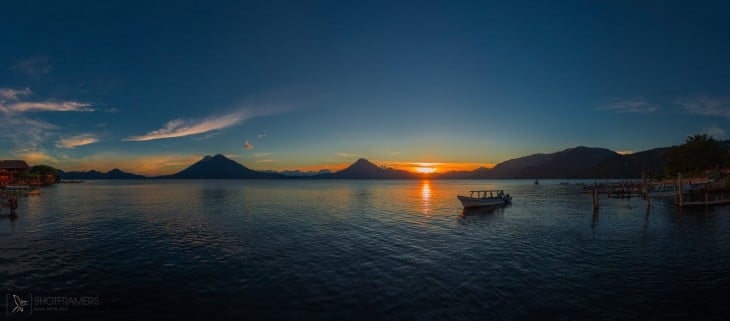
709 194
706 193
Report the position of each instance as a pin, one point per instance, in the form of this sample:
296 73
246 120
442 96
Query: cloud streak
707 106
181 127
247 145
13 94
630 106
347 155
47 106
11 102
78 140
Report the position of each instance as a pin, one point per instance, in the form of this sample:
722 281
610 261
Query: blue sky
152 86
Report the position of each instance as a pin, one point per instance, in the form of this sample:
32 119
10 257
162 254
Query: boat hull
21 190
470 202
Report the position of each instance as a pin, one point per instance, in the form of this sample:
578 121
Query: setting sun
425 170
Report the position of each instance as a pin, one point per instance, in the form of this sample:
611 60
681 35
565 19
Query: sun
425 170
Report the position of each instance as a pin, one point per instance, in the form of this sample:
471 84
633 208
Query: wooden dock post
594 194
13 203
679 178
646 190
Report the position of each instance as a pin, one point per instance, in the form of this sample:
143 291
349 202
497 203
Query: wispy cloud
34 66
11 101
78 140
707 106
261 136
247 145
630 106
714 131
181 127
25 132
207 136
13 94
30 135
258 155
36 157
349 155
46 106
186 127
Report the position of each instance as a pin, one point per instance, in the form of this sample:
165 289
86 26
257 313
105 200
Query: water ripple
364 250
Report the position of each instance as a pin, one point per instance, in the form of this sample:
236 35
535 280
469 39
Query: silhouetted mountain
578 162
298 173
93 174
519 167
479 173
364 169
651 162
219 166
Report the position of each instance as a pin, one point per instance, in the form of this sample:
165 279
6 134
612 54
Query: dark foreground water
368 250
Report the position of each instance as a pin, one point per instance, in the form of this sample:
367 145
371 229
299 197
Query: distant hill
364 169
651 162
298 173
219 166
519 167
578 162
93 174
479 173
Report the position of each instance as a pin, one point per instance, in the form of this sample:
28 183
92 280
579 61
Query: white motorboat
485 198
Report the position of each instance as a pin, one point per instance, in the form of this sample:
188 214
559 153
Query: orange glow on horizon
413 167
425 170
153 165
429 168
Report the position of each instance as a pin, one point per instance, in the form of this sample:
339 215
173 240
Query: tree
48 174
699 152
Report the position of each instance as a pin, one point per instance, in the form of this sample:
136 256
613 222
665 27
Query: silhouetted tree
45 171
699 152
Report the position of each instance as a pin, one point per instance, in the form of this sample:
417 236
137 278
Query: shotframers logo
19 304
15 304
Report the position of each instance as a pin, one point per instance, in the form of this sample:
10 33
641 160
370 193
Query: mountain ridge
219 167
364 169
94 174
576 162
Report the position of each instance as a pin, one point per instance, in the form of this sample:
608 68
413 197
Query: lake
366 250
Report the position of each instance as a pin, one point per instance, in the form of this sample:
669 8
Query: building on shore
11 171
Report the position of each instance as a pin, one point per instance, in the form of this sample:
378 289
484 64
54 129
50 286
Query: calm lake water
369 250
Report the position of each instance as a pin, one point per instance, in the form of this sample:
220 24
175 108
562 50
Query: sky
150 87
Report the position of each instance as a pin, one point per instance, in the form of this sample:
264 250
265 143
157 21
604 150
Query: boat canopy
487 193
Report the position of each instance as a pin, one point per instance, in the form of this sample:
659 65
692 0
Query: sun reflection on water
426 196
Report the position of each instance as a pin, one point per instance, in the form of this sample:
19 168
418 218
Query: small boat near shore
21 190
485 198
